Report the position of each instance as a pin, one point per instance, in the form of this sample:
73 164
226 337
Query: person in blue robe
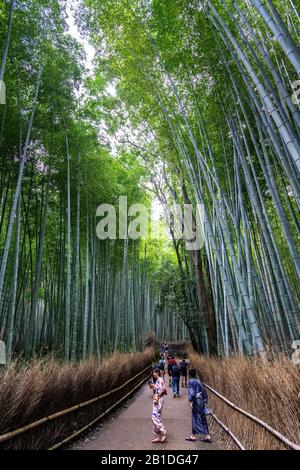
197 395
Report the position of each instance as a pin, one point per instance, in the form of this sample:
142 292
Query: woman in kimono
158 402
198 398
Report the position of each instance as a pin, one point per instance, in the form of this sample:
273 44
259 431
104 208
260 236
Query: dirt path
132 428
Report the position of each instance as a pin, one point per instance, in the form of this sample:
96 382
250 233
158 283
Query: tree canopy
188 103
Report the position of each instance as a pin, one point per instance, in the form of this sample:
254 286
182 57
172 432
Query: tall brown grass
267 388
44 387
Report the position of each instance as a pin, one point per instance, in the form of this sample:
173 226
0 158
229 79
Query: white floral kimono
159 389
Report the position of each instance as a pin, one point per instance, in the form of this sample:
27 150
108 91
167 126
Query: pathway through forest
132 429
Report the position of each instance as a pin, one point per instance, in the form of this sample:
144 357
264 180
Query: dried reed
43 387
267 388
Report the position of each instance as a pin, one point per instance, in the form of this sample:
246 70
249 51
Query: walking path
132 429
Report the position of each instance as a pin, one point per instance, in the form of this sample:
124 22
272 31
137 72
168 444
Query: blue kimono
198 397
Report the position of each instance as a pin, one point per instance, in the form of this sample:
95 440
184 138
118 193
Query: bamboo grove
204 111
209 87
62 290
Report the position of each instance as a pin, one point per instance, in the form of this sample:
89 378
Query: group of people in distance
197 395
175 371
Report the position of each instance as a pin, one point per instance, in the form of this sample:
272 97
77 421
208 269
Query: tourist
175 372
158 401
198 398
171 361
162 365
154 369
183 372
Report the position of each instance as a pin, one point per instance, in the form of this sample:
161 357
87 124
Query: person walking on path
161 366
158 402
171 361
183 372
198 397
175 372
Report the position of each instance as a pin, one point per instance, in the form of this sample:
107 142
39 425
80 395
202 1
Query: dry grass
45 387
269 389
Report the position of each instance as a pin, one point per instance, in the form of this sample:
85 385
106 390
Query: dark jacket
183 367
175 372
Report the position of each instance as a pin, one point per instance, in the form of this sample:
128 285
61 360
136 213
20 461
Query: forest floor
131 427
